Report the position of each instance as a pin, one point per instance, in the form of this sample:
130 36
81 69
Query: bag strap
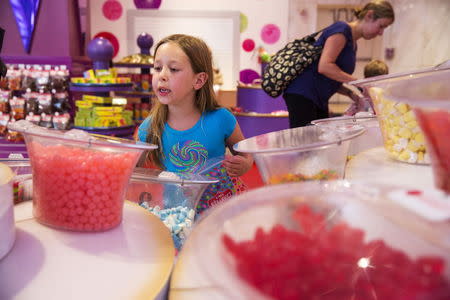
316 33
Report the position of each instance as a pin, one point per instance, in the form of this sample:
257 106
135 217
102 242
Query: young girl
186 122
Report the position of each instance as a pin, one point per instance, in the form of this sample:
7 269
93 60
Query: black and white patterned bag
288 63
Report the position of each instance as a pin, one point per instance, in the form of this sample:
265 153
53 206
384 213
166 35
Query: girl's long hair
200 58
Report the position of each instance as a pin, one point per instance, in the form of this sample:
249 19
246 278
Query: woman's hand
237 165
358 104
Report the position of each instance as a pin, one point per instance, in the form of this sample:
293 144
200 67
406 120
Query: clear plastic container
22 180
7 225
299 154
79 180
173 197
322 240
371 138
428 94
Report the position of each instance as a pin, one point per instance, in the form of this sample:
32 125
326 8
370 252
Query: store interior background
418 38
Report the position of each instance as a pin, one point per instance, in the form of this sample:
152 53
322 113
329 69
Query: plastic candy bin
7 226
173 197
322 240
22 181
299 154
79 180
369 139
428 94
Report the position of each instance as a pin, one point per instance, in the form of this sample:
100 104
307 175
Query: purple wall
56 33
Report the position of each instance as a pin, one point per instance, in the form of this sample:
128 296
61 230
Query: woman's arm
239 163
327 62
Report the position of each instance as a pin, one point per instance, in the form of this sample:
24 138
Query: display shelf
131 65
253 124
136 94
8 148
100 88
123 131
252 98
131 261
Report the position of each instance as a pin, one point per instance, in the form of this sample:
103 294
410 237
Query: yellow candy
402 107
420 156
405 133
413 146
409 116
404 155
411 124
419 138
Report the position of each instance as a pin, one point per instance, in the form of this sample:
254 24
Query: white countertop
131 261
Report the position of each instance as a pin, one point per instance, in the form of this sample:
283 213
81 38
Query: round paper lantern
112 10
248 45
248 76
270 33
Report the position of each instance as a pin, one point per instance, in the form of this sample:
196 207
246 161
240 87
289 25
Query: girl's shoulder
220 112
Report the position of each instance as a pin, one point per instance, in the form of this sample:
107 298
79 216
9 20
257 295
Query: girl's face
374 27
174 82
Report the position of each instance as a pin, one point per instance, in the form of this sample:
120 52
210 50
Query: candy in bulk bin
7 227
322 240
22 180
79 180
173 197
369 139
402 136
428 95
300 154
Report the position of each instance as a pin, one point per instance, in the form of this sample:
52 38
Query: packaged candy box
79 180
323 240
301 154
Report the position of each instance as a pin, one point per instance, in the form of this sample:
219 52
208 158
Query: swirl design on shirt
188 156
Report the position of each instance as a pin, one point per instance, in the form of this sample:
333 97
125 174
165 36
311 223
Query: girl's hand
237 165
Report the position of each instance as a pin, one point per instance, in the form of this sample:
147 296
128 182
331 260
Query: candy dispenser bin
299 154
369 139
328 240
173 197
79 180
7 227
22 180
427 94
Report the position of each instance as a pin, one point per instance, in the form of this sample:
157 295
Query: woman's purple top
317 87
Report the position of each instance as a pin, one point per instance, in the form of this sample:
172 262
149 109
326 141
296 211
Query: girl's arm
327 62
239 163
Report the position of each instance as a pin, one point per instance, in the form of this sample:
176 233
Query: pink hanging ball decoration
112 10
248 45
270 33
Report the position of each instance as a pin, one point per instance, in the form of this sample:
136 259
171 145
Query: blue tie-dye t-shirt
188 150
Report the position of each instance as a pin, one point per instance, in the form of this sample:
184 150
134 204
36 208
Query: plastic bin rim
94 140
301 148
